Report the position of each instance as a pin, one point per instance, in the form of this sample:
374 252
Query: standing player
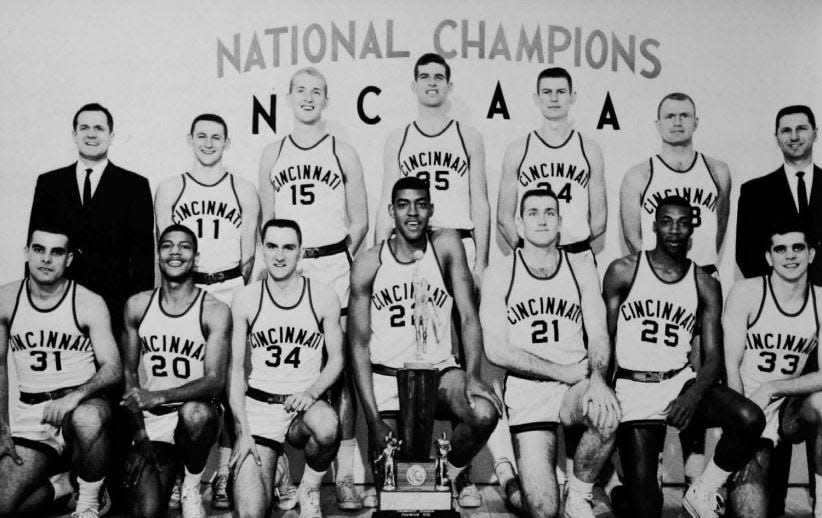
655 300
223 210
771 327
177 335
288 321
383 335
65 357
536 308
316 180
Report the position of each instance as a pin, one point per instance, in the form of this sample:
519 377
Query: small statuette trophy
441 480
389 466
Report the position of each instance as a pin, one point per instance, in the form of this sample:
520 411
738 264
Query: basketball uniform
393 335
565 171
287 346
655 325
545 319
777 346
172 351
309 188
697 185
214 213
51 352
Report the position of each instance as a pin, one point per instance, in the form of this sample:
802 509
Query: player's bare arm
8 295
597 201
267 160
167 193
356 203
615 288
499 351
250 205
630 194
478 190
719 170
743 300
390 174
507 196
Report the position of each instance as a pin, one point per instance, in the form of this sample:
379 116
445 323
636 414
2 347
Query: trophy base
416 494
416 513
418 365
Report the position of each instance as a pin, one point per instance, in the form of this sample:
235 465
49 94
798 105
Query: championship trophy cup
413 484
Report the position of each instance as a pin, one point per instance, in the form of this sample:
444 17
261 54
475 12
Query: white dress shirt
94 179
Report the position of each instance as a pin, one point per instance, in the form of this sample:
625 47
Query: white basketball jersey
443 160
172 347
309 187
656 321
393 336
50 349
213 212
544 314
565 171
697 185
286 343
777 343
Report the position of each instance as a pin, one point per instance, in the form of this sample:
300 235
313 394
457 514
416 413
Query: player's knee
483 416
815 404
89 419
195 416
324 424
750 419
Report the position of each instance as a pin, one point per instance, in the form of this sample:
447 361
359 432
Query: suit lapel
70 186
104 184
785 199
816 189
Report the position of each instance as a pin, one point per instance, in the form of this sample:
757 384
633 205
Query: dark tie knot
800 174
88 171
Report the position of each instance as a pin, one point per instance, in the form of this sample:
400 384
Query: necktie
87 188
802 194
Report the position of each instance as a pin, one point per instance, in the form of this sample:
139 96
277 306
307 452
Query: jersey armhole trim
647 186
585 156
148 307
445 280
179 197
402 145
464 147
761 302
513 275
202 310
311 304
522 160
259 304
236 197
576 283
815 308
337 158
73 289
276 158
17 303
710 172
634 276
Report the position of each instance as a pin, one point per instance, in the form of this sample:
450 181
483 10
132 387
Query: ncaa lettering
287 335
661 310
544 306
207 208
780 341
425 159
171 344
305 172
50 340
405 291
536 172
694 195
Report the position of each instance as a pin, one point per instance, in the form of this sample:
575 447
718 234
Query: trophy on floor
421 484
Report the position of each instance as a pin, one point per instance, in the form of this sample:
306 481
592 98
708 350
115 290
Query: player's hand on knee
299 402
243 447
141 458
574 372
475 387
55 410
681 410
601 406
138 399
7 448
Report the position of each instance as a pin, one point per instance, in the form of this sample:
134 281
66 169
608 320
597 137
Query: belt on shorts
464 233
575 248
321 251
266 397
378 368
33 398
648 376
710 268
212 278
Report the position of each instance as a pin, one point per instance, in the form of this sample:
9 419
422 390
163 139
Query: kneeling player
288 321
536 307
771 326
655 300
56 331
177 334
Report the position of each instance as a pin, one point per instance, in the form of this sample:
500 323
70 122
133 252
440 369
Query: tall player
288 321
382 332
655 301
65 357
536 309
316 179
771 326
223 210
178 336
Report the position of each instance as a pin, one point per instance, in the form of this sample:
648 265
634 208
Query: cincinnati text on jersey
171 344
50 340
651 308
427 159
544 306
695 196
781 341
317 173
196 208
287 335
537 172
405 291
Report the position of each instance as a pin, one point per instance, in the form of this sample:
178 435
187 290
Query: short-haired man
59 336
382 329
771 326
178 336
316 179
655 301
537 307
289 322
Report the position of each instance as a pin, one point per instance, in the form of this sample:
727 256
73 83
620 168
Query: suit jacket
764 201
112 238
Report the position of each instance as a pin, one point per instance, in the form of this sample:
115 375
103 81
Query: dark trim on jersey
663 281
169 315
464 147
427 241
259 304
645 423
443 130
815 307
337 158
205 184
588 163
42 447
69 282
513 275
710 173
522 161
535 277
579 296
268 443
693 163
779 308
570 135
647 186
74 308
16 303
236 197
402 145
277 157
179 197
312 146
311 304
202 310
633 278
271 297
547 426
145 311
761 301
446 281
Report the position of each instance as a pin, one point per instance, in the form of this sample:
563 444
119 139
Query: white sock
694 464
345 459
312 478
713 477
575 485
453 471
89 495
192 479
222 463
817 508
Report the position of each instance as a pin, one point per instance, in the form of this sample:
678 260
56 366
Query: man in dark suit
792 191
108 212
